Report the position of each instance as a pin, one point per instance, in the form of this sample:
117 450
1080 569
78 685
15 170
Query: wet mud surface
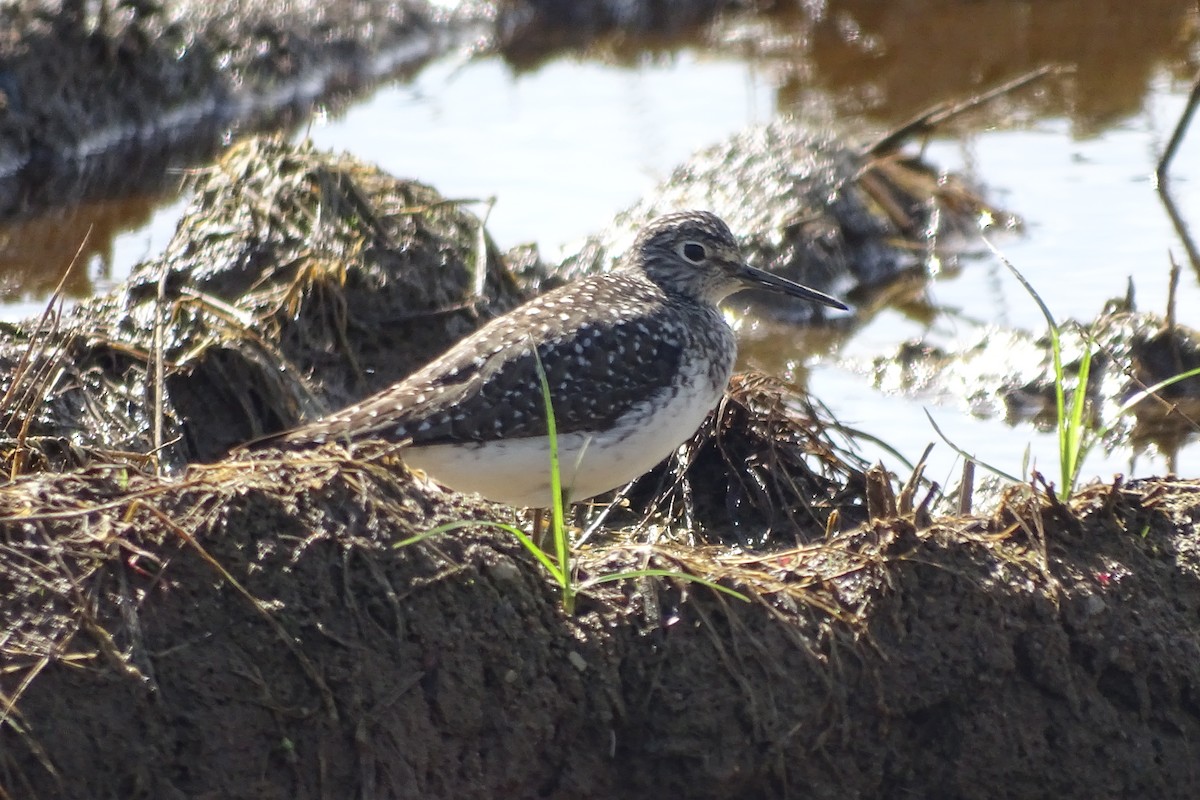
250 631
101 99
295 283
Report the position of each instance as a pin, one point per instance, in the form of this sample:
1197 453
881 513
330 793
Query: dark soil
100 99
250 631
104 99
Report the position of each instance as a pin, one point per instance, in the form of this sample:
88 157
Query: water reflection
892 60
35 252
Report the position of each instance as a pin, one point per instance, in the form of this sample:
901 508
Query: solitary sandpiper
635 359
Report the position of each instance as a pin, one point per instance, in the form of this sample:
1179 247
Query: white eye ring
693 252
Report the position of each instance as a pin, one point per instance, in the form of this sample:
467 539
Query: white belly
517 471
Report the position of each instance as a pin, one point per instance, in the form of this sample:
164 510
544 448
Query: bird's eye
693 252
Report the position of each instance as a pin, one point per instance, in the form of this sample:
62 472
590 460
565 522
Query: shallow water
565 145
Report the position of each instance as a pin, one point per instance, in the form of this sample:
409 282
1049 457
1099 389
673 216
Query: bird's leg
540 528
539 533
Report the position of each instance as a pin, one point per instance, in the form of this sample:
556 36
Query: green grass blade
965 454
521 536
438 531
560 576
562 545
1067 453
1150 391
1077 432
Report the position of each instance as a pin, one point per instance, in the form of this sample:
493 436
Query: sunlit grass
1075 436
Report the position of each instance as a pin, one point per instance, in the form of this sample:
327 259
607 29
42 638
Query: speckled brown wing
485 388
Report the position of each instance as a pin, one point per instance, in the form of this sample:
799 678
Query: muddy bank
295 283
97 99
300 281
250 631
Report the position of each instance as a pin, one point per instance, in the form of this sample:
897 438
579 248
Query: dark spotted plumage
598 365
622 351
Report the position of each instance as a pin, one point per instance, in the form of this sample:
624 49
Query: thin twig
1161 174
910 488
1172 289
159 368
940 114
966 489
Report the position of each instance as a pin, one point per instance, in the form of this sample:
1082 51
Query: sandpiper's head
694 254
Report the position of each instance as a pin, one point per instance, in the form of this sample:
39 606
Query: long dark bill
768 281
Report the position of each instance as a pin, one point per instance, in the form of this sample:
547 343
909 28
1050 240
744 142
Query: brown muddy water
564 145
